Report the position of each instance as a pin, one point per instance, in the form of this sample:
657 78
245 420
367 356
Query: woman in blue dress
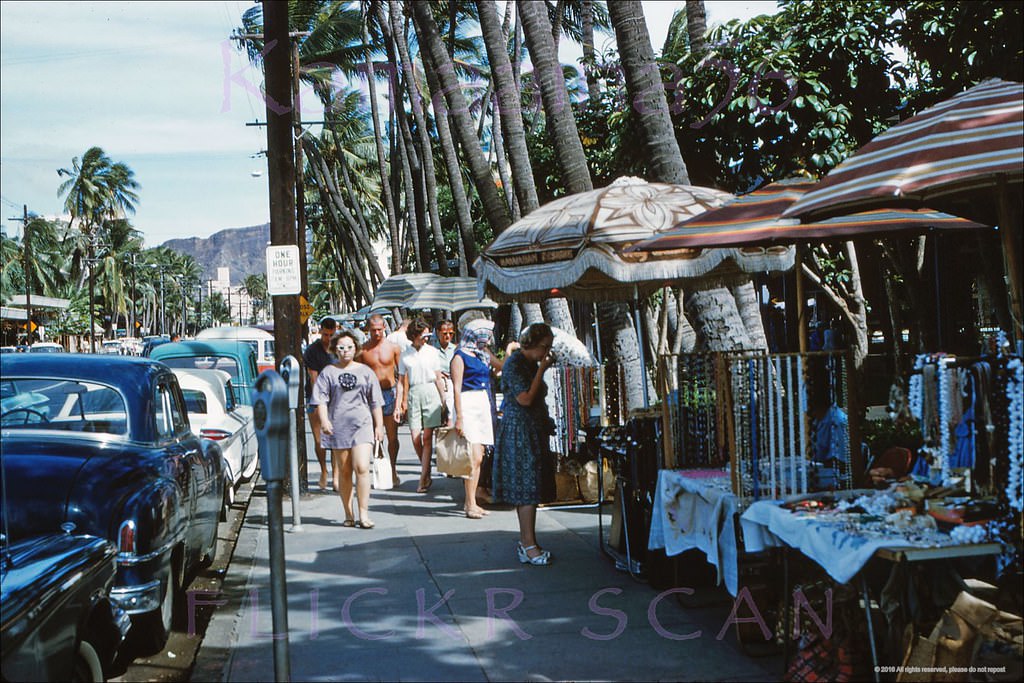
524 473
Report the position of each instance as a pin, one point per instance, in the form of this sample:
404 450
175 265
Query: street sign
283 272
33 326
305 310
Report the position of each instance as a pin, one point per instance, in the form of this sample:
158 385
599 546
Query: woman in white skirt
474 418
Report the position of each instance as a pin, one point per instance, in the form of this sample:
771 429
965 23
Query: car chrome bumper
138 599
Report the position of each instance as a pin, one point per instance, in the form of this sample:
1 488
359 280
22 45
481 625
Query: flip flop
348 523
365 525
425 488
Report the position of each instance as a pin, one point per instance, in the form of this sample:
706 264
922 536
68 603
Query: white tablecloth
696 513
842 548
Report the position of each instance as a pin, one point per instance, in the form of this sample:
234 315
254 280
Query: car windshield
67 405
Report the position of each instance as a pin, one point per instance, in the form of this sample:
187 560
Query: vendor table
697 509
842 547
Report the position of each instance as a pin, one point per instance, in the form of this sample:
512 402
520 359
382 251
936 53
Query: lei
1015 433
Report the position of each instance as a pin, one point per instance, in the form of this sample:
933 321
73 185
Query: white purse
381 464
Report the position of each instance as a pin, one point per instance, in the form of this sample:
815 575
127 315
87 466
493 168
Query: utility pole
281 179
28 275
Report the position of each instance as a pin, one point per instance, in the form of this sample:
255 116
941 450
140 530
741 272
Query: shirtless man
382 357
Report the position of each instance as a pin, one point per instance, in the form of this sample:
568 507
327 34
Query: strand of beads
1015 435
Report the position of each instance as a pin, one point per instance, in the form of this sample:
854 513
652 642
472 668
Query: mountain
243 250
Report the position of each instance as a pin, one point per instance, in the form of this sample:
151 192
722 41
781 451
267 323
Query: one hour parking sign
283 275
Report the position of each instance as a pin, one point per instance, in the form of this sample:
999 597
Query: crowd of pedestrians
358 394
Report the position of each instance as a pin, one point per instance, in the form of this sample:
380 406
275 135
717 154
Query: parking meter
270 418
291 373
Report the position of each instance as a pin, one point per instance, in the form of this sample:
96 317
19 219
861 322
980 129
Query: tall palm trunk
435 57
548 73
429 175
509 101
646 92
696 26
463 212
590 53
387 198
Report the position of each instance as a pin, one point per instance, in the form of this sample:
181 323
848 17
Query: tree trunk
463 211
696 26
619 342
590 54
435 57
548 73
387 198
511 112
719 326
750 312
646 92
410 198
429 174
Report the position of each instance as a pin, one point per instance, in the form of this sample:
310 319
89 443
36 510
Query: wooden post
1009 230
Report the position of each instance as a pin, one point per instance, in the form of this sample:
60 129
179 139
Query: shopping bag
452 451
381 464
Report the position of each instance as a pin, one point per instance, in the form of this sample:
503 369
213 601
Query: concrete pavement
431 595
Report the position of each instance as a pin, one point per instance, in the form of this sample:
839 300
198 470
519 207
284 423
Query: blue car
101 445
59 623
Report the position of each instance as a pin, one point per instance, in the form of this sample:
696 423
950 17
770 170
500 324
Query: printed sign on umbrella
396 291
450 294
964 156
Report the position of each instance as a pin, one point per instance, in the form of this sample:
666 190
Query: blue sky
158 86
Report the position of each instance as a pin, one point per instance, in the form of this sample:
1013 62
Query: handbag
382 479
452 451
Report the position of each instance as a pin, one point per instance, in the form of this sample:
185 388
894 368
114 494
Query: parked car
8 349
131 346
112 346
59 623
215 415
261 341
102 446
149 342
46 347
234 357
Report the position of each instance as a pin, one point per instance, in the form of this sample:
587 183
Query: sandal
365 525
541 560
348 523
425 487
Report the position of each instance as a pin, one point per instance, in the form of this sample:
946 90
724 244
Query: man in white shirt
422 395
447 345
399 338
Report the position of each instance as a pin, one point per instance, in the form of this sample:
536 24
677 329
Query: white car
214 415
111 346
46 347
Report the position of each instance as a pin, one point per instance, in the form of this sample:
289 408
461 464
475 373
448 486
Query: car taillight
126 537
214 434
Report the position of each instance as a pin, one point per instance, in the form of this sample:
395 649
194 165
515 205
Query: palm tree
96 190
255 287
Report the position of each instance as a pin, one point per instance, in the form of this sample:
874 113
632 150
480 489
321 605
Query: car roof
85 366
205 347
212 380
229 332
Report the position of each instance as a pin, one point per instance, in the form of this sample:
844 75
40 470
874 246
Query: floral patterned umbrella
575 246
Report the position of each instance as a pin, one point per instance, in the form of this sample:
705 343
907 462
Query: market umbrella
450 294
755 219
396 290
576 246
964 156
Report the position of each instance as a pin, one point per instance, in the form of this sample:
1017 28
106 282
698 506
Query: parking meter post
290 372
270 418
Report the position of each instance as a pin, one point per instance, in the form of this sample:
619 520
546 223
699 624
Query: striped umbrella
450 294
575 246
964 156
951 157
396 291
754 219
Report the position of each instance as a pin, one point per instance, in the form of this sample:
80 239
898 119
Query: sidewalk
368 604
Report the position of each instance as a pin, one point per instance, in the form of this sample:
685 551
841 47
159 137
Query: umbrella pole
640 345
597 336
801 300
1009 230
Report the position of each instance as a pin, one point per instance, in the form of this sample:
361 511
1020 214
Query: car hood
37 571
49 482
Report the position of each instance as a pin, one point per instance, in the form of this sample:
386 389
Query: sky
160 87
